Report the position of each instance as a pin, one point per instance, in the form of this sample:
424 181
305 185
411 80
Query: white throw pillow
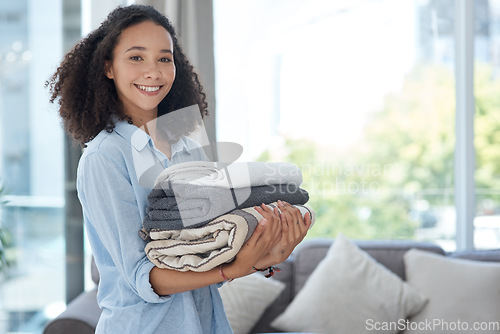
245 300
462 294
349 292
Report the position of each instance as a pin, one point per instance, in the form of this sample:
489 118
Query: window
487 123
31 166
360 95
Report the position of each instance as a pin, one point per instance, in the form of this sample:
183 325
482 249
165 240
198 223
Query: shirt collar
132 134
179 146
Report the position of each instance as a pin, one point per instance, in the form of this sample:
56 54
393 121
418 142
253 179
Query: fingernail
263 221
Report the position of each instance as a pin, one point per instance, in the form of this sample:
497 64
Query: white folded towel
235 175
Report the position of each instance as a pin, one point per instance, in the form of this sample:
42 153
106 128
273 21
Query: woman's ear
108 70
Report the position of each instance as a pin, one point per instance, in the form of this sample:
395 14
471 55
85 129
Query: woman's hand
274 238
264 239
294 229
266 236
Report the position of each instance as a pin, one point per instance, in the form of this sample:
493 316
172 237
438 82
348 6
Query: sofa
82 313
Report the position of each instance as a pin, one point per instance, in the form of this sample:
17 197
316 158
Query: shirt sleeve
113 219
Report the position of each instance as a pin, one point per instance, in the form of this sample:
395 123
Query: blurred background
360 94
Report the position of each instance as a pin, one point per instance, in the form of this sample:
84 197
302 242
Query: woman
120 78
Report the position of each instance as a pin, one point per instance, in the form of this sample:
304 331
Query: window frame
465 192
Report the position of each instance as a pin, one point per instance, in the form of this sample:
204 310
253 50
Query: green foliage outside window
405 154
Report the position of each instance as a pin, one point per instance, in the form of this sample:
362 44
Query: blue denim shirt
114 204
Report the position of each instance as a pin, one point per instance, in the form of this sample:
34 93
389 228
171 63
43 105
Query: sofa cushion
246 298
489 255
279 305
461 293
347 292
389 253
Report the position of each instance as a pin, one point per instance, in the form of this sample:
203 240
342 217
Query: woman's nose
152 71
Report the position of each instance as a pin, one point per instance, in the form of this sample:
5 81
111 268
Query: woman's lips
148 90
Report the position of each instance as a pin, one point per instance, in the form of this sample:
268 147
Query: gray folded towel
184 205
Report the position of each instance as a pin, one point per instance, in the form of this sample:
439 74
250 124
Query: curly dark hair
88 98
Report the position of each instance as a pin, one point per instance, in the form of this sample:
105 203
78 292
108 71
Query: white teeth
148 88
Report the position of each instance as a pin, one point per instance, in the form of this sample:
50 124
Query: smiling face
143 69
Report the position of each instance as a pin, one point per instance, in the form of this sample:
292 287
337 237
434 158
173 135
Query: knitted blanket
206 247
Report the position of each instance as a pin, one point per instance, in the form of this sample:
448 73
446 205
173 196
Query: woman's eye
135 58
165 60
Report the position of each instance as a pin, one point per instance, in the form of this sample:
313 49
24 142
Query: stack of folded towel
200 213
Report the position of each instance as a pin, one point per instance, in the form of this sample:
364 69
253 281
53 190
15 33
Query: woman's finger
268 213
263 213
307 219
264 209
296 217
301 226
272 215
287 221
259 230
285 216
285 224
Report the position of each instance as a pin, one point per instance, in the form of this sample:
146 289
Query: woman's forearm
167 282
265 237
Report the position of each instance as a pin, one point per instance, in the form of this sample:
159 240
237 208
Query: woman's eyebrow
141 48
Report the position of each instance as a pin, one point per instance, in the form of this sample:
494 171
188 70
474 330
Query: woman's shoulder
112 141
103 158
104 143
107 147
